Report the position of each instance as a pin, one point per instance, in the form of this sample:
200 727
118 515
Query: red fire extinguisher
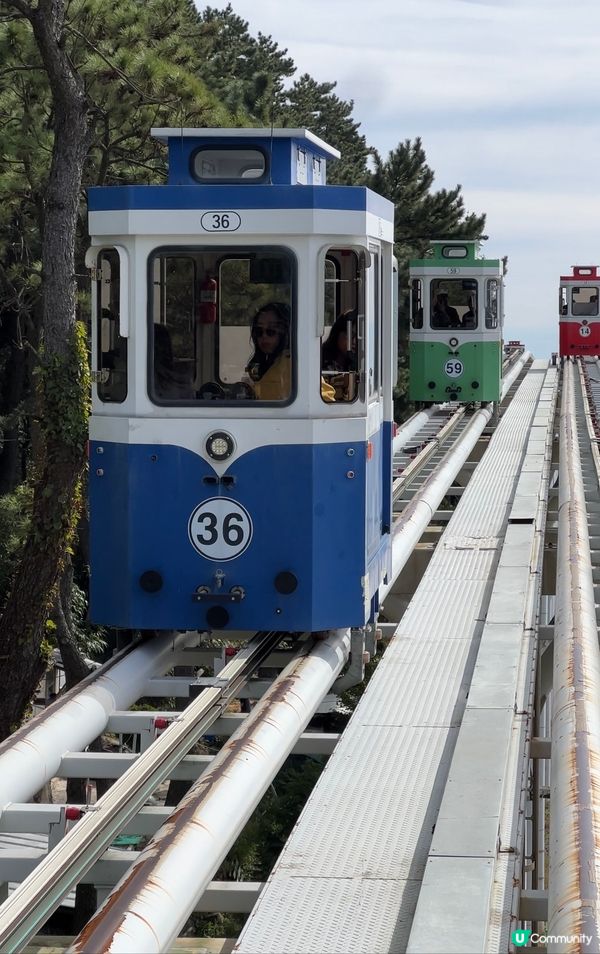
207 308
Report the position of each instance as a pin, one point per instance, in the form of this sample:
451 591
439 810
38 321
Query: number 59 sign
454 369
220 529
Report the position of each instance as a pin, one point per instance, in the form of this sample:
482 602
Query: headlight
219 445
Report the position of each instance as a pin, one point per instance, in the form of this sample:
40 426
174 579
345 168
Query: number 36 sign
220 529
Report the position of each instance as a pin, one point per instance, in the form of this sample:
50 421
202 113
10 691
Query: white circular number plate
453 369
584 331
220 529
225 221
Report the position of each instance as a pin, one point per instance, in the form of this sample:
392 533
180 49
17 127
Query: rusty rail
573 908
152 902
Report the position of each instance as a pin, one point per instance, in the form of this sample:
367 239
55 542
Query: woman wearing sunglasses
269 367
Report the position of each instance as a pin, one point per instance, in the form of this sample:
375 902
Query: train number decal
220 221
585 331
453 368
220 529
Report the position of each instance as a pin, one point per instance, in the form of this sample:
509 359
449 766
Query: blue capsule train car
243 362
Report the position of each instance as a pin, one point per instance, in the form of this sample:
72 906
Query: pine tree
421 215
315 106
81 85
247 74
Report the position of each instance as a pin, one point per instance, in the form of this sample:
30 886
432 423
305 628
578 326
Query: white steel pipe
411 427
32 757
416 517
150 904
575 754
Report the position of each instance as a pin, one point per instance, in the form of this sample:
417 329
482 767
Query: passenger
269 368
468 319
444 315
339 355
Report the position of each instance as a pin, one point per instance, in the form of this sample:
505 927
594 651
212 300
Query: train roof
582 273
248 157
299 135
464 253
273 170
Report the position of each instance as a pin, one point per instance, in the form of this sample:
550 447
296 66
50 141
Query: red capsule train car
579 320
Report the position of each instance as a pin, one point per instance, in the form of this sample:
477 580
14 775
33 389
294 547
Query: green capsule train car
456 316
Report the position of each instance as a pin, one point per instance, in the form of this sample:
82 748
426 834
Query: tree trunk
12 394
62 381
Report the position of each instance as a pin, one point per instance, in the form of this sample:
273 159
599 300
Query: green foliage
15 514
141 66
91 639
247 74
63 381
421 213
315 106
215 925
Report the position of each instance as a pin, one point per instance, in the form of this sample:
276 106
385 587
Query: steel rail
413 425
426 453
409 525
432 445
573 903
40 894
151 903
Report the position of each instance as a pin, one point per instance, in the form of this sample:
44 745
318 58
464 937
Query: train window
342 342
584 301
563 305
228 164
454 303
454 251
222 326
111 347
416 303
491 303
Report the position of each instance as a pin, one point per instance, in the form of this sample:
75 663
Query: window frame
118 302
584 314
416 320
363 261
492 323
224 253
230 180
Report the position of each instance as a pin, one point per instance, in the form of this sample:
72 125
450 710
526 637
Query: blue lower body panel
278 542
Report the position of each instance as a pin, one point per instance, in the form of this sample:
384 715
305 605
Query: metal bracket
204 593
355 673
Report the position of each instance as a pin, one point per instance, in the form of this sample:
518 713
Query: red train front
579 322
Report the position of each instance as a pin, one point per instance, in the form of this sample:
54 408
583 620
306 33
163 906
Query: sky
505 95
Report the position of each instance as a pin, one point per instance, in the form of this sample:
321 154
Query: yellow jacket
276 382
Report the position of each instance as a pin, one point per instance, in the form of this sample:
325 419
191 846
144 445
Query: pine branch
22 8
126 79
21 69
